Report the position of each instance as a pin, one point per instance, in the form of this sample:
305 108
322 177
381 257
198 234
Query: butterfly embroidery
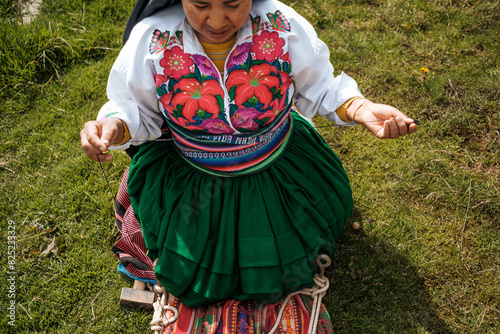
158 41
278 21
179 35
255 23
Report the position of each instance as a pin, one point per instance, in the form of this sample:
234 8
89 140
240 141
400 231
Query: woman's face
216 21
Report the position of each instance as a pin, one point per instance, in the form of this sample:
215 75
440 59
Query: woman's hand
97 136
382 120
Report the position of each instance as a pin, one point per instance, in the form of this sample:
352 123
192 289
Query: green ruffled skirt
254 236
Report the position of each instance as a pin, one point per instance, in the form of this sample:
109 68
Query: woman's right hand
97 136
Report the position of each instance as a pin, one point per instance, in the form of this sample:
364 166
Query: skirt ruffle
252 237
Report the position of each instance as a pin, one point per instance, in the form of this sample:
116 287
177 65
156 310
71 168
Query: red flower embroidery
286 57
176 63
286 81
267 46
277 106
195 96
257 82
165 102
160 79
184 123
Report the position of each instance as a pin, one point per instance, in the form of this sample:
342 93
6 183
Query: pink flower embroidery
216 126
176 63
257 82
239 55
267 46
244 118
194 96
205 66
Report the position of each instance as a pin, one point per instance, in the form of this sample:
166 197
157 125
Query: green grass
428 257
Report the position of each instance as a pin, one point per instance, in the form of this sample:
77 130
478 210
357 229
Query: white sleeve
132 91
317 91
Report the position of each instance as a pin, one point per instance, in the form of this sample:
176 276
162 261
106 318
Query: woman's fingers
385 121
401 124
396 127
109 132
412 126
92 144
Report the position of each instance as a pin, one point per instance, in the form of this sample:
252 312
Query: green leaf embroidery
253 101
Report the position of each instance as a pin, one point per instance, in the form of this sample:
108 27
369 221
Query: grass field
427 259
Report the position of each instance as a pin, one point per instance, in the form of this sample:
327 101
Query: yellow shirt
218 52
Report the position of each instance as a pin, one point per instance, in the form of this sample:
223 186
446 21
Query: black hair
143 9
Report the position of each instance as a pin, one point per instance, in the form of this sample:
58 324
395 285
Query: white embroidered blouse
163 72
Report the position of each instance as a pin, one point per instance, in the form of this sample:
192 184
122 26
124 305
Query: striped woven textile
130 248
232 154
246 317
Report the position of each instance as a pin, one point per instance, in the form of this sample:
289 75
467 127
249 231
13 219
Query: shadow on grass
376 289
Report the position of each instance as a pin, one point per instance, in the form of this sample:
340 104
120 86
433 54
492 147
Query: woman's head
216 21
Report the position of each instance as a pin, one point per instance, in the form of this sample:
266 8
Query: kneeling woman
238 194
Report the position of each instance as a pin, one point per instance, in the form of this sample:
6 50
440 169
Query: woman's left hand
382 120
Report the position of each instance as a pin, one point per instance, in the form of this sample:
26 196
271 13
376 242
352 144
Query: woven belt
234 155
